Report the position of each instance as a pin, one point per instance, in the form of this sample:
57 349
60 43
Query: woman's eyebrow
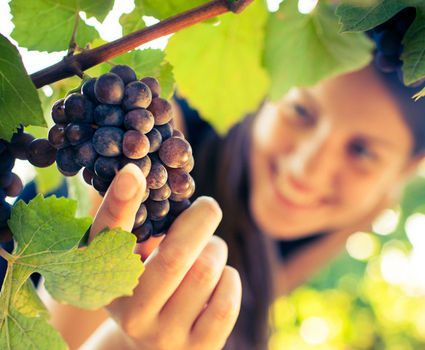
311 99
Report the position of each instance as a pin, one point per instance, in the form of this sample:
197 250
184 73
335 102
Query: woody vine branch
74 64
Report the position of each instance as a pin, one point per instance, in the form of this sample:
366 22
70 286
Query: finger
193 293
121 202
166 267
216 322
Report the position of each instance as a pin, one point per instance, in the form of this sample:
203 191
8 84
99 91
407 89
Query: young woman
290 184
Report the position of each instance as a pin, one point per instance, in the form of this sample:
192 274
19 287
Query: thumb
121 201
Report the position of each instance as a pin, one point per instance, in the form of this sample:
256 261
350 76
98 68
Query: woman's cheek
362 193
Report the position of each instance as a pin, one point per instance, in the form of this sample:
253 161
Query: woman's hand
187 297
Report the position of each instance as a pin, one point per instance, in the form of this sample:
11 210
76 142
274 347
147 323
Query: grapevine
120 117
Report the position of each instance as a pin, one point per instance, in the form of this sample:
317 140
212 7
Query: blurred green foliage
375 301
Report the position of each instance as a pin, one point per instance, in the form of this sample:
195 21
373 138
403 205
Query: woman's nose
314 162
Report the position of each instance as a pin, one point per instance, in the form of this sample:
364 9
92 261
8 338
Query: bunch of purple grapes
118 119
388 37
10 183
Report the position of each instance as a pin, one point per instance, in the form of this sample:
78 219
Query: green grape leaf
55 24
19 101
46 225
20 332
47 236
96 8
301 50
413 56
166 8
218 67
355 17
28 302
132 21
148 62
359 18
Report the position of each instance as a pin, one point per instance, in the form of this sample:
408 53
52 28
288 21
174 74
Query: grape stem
5 255
92 57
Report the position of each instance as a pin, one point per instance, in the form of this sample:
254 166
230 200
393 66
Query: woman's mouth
291 196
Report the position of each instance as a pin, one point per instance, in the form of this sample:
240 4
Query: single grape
143 163
177 197
41 153
175 152
85 155
100 184
136 95
106 167
141 216
135 145
15 187
162 110
108 115
124 72
87 176
160 226
157 209
7 161
19 149
78 133
88 90
109 89
57 137
157 176
179 180
165 130
143 232
58 112
160 194
153 85
107 141
78 108
188 167
139 119
387 64
155 140
66 162
177 133
176 208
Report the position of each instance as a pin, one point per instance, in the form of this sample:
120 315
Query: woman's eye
361 150
303 115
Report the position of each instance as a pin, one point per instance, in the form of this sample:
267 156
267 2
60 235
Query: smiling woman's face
323 157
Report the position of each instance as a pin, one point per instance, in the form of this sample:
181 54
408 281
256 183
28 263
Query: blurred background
371 297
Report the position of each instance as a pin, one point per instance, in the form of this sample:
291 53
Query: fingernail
127 182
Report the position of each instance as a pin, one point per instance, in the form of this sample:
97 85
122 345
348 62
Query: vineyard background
371 297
